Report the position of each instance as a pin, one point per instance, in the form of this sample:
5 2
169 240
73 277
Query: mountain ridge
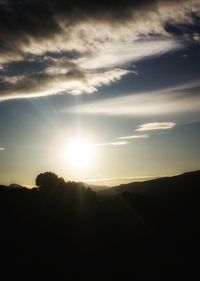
154 185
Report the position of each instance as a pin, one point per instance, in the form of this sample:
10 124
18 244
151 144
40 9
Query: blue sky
129 86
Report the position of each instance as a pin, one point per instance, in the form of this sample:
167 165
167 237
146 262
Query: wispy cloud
175 100
110 143
156 126
145 136
121 53
122 140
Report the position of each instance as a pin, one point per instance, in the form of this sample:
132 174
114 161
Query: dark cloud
21 20
38 81
39 63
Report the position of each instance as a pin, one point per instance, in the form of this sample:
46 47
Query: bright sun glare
79 153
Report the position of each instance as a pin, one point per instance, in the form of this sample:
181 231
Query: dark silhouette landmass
137 231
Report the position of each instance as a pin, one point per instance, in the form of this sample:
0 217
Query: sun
79 152
74 153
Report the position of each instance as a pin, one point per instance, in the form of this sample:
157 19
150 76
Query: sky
104 92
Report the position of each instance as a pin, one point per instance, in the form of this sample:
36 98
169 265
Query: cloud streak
156 126
116 143
144 136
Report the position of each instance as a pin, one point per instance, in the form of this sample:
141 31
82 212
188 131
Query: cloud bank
75 47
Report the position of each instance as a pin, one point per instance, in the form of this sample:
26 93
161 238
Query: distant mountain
16 186
159 186
96 188
12 186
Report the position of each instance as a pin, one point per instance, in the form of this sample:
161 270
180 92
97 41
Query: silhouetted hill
160 186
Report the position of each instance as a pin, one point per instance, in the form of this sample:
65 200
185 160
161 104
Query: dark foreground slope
68 229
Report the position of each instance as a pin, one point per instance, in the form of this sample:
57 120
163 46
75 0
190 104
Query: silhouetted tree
47 180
